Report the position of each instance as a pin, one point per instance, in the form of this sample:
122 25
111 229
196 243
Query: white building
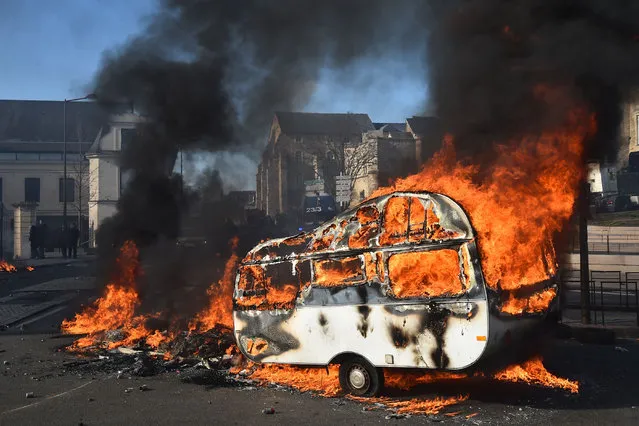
602 178
32 166
107 181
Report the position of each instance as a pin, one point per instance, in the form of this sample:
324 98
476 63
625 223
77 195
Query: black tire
358 377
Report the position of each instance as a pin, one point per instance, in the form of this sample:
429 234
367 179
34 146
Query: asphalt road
37 301
608 375
609 378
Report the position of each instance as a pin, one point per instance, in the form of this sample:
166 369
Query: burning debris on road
124 341
10 268
7 267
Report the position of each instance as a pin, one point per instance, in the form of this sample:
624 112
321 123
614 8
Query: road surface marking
46 399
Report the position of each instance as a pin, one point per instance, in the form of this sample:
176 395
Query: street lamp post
64 143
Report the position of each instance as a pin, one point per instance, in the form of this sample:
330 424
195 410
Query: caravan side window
366 228
338 272
426 274
404 221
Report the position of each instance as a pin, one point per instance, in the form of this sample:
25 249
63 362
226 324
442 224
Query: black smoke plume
487 57
207 76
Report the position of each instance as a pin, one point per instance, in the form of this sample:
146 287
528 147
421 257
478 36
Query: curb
23 266
596 334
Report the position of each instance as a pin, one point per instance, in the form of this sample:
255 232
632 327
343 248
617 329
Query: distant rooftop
42 121
424 125
390 127
297 123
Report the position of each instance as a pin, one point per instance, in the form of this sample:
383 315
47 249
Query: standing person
73 235
42 237
33 240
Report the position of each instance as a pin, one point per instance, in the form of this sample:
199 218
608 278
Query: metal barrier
610 291
608 244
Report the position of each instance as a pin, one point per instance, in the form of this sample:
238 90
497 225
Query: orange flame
116 308
6 266
538 302
325 381
220 308
30 268
518 204
406 381
414 405
534 372
426 274
335 272
322 380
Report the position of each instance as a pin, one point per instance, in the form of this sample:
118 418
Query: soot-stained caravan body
394 282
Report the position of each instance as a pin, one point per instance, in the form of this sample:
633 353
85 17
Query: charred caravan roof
444 218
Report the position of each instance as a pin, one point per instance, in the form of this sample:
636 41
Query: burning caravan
395 282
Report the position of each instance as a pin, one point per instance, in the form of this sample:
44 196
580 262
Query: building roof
311 123
423 125
44 147
390 127
42 121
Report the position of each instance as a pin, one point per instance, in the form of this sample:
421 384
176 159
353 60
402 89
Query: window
70 190
403 218
337 272
32 190
72 158
7 156
367 217
395 221
51 156
298 156
28 156
275 284
425 274
126 137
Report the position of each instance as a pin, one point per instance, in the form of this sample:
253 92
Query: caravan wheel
358 377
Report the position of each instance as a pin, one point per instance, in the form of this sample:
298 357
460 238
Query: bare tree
83 188
346 155
361 159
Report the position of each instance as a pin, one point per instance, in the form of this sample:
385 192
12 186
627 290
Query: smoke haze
487 59
208 77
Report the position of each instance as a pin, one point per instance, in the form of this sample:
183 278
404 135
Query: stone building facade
629 129
311 146
303 147
391 151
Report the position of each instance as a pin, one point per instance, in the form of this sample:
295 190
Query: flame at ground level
414 405
220 307
7 267
115 310
534 372
325 381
